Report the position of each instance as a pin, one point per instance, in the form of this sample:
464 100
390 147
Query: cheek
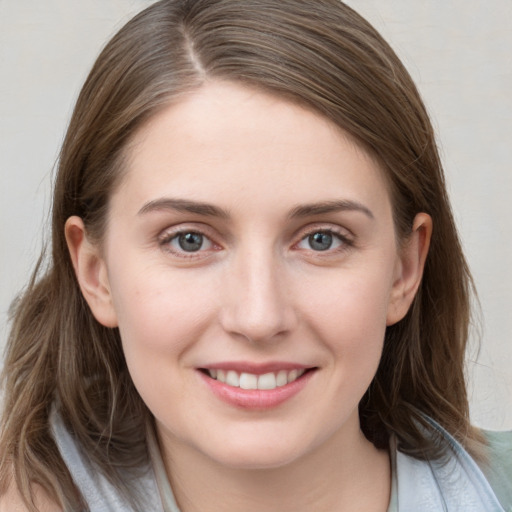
356 303
349 315
159 314
160 321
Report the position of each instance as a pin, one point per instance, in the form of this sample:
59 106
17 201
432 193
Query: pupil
320 241
191 242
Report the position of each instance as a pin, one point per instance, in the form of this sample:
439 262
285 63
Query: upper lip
255 368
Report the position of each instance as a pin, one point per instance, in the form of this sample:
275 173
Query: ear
91 272
409 268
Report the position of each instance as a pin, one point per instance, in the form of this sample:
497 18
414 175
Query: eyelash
344 241
168 238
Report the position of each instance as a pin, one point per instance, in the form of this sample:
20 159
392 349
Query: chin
256 461
258 456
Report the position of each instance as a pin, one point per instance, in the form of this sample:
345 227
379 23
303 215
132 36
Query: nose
258 304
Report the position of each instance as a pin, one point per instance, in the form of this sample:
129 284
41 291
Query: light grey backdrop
459 52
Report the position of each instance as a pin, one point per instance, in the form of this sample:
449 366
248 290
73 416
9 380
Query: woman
257 299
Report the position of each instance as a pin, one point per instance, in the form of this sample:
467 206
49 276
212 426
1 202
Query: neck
344 473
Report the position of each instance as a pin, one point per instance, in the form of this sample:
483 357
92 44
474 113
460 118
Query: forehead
230 142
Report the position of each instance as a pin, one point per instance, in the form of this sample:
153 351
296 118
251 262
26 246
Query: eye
323 240
187 242
320 241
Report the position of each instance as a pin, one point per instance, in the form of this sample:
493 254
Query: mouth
252 381
256 387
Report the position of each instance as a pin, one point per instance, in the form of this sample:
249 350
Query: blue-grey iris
320 241
190 242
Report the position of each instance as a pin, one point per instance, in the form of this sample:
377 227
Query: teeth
267 381
282 378
245 380
248 381
293 375
232 379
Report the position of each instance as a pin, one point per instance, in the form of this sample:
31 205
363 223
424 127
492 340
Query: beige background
459 52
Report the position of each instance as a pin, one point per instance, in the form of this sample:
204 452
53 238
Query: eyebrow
184 205
324 207
209 210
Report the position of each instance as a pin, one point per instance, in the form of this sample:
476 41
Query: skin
257 291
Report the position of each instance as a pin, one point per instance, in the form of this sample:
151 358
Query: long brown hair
321 54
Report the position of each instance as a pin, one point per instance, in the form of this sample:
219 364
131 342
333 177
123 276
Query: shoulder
500 447
456 481
498 468
11 501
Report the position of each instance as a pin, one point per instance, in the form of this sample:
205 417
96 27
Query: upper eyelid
186 227
326 227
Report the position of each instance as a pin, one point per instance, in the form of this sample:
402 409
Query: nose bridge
258 306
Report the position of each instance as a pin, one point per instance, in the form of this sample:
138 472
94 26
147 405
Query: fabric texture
498 470
455 484
99 494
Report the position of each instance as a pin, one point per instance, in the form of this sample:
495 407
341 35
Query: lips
256 387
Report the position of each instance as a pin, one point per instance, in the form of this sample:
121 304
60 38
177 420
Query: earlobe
410 268
91 272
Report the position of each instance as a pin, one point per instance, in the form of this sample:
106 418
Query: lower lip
256 399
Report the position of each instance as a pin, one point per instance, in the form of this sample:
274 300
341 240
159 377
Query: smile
256 387
266 381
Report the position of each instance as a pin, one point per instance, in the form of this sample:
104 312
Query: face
251 264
